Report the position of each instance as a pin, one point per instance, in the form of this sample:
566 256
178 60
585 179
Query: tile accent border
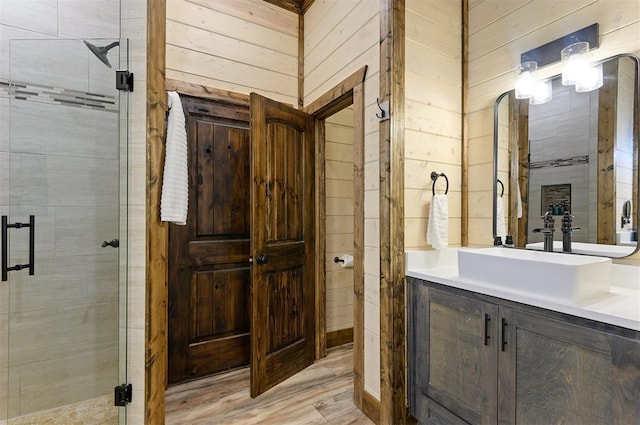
57 96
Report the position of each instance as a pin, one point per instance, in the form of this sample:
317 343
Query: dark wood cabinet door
556 372
209 274
537 367
454 350
438 415
282 242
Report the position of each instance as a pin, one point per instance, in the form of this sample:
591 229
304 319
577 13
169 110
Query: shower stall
63 202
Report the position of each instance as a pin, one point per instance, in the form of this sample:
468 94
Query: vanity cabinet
474 359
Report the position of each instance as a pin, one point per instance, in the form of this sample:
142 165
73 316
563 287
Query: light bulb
590 80
526 81
542 93
575 62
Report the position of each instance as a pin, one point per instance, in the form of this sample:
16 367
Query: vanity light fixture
528 86
577 68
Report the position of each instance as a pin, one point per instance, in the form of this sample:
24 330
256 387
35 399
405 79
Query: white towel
501 222
519 200
175 184
438 226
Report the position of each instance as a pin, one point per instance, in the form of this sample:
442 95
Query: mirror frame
496 106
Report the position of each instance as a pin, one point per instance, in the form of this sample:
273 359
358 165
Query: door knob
262 259
114 243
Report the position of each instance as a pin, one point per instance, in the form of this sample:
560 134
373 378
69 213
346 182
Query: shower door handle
5 246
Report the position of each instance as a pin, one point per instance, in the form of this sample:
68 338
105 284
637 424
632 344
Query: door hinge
122 394
124 80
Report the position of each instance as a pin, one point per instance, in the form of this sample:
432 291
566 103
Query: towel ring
502 186
434 177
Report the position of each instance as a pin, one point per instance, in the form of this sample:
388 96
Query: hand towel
519 200
501 222
174 200
438 226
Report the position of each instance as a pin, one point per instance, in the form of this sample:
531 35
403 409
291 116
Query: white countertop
619 306
616 251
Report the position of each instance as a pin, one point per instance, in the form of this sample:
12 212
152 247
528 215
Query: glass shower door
66 332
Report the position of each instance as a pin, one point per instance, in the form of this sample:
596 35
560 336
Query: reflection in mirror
577 154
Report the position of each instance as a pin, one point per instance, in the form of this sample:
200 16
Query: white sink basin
544 274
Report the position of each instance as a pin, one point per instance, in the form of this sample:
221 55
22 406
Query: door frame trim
348 92
156 238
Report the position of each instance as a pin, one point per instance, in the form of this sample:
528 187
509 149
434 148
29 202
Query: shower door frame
52 94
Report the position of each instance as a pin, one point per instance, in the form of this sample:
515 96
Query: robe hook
383 114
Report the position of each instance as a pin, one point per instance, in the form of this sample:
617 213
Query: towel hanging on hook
438 223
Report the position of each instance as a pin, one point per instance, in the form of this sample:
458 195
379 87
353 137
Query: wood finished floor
320 394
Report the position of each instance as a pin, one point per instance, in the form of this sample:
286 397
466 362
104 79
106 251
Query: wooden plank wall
392 274
499 32
339 38
155 352
239 46
339 218
433 128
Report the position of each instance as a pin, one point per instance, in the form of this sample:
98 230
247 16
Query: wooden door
209 274
282 243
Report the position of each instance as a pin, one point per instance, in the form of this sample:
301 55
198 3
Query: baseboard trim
371 407
339 337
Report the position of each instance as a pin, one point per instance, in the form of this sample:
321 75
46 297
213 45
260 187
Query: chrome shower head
101 52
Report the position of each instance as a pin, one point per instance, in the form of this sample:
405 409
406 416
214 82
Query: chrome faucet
567 229
547 230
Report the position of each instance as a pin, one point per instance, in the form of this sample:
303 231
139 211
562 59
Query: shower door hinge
122 394
124 80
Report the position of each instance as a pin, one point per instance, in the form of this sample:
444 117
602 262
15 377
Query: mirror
577 154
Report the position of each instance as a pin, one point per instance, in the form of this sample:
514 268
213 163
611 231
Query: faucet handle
545 230
548 220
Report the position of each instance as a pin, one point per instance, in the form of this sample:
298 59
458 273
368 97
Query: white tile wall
8 33
88 19
56 180
561 129
60 124
56 63
35 15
